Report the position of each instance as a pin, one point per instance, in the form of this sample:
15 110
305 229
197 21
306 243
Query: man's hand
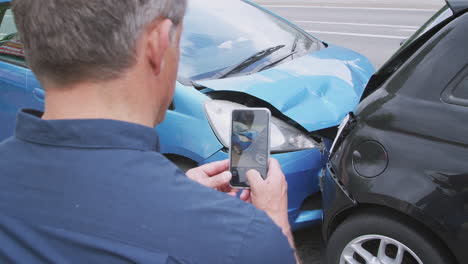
271 196
214 175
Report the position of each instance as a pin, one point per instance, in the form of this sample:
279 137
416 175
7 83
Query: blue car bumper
302 170
336 199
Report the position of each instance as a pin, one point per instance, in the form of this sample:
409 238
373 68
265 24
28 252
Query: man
83 182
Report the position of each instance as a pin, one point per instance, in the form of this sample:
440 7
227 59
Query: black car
396 187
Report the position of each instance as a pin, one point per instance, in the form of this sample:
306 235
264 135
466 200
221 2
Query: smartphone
250 144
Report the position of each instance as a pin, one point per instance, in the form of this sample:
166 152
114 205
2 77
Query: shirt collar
85 133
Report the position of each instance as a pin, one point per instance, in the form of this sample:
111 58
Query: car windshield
11 48
222 34
242 30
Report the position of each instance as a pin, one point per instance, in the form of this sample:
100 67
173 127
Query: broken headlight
284 137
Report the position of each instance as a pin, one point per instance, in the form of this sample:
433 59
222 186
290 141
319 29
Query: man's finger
226 188
274 165
216 167
275 173
254 178
218 180
245 195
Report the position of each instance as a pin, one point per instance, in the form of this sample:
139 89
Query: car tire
371 228
184 164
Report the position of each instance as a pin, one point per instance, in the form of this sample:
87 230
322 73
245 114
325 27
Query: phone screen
249 144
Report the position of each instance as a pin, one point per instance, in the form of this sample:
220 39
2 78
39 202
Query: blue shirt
98 191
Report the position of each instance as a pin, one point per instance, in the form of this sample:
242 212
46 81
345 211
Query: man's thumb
254 178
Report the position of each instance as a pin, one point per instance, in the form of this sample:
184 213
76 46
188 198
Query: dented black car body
398 171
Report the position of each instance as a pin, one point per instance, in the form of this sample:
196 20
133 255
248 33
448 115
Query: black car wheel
376 238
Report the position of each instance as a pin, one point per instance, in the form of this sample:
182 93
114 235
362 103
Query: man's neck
101 100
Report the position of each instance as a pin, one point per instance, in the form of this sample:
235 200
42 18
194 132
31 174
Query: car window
462 90
11 48
8 24
457 90
220 34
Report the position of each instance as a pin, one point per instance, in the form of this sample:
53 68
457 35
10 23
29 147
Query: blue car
234 54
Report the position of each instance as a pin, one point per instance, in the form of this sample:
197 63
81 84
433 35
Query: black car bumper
335 200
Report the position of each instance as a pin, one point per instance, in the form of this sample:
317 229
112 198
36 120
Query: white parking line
352 7
353 24
356 34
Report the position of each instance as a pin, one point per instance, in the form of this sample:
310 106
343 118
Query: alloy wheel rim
359 250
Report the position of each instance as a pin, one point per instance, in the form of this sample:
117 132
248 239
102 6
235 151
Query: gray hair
67 41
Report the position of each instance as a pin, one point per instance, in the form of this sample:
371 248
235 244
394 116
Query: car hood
316 90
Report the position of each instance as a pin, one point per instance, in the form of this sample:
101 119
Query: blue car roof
5 1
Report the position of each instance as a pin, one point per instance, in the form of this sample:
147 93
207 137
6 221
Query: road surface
373 28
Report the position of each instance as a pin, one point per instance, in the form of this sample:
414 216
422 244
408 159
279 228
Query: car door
456 98
15 93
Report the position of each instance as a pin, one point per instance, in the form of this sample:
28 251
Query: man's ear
159 40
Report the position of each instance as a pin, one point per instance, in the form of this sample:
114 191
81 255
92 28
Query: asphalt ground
374 28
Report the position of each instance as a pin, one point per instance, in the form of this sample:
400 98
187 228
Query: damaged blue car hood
316 90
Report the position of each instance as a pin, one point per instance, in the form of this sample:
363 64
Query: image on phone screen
249 144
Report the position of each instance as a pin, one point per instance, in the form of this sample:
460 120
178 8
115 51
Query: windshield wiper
279 60
274 63
294 45
247 62
198 86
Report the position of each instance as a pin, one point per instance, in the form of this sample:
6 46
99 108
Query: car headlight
284 137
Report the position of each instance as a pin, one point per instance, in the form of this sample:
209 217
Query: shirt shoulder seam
73 146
